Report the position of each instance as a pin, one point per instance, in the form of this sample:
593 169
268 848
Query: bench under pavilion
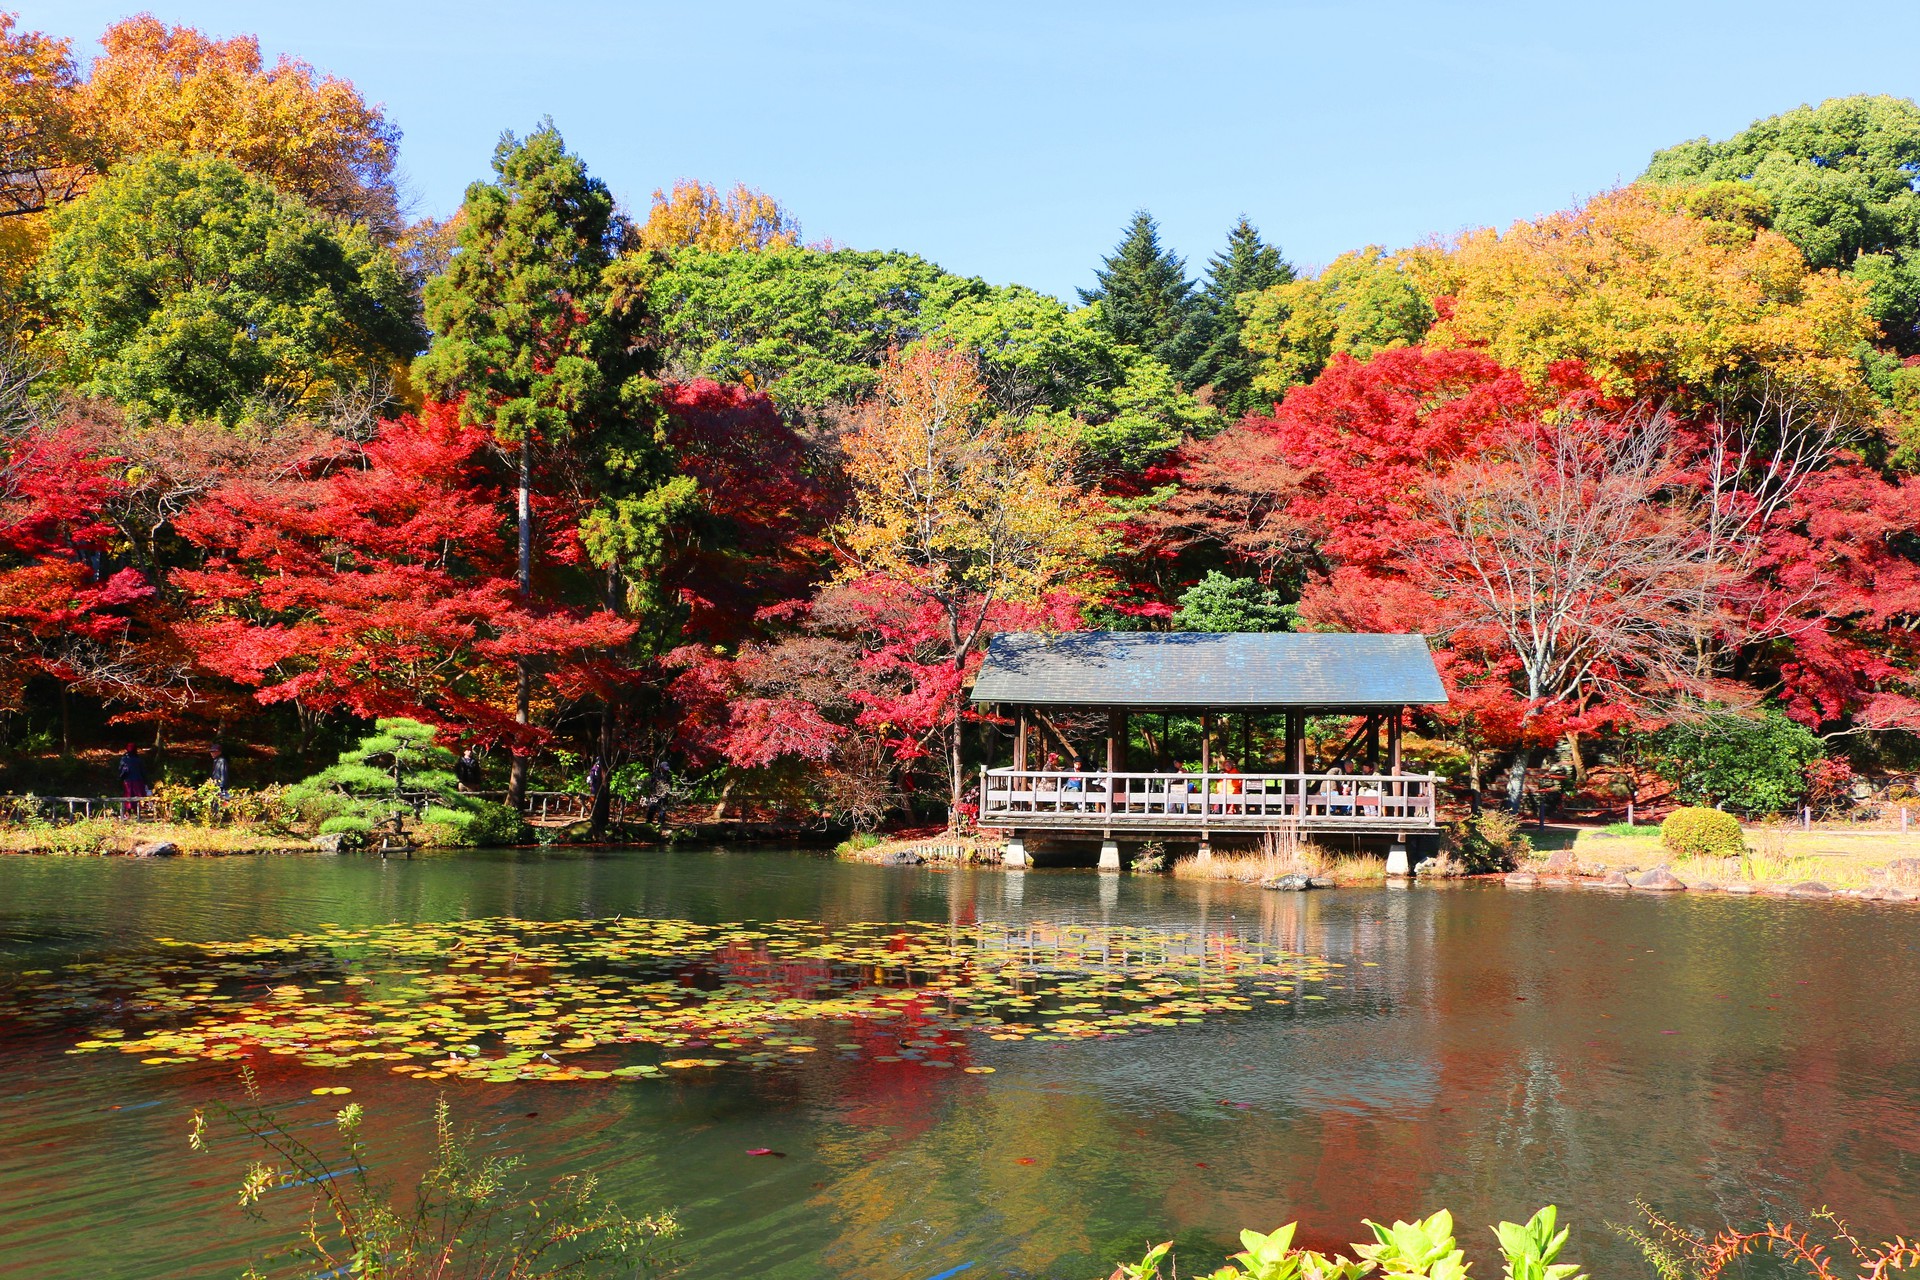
1049 688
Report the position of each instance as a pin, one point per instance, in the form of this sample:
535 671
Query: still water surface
1485 1049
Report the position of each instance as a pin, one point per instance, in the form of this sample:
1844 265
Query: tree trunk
523 697
66 723
603 798
956 770
1578 760
1517 780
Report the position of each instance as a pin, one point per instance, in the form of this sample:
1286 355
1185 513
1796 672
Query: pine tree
1146 299
1248 265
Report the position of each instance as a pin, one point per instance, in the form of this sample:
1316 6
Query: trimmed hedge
1702 833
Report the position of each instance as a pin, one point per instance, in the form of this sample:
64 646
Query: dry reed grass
1281 853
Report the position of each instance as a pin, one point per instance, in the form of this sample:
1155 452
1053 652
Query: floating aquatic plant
507 999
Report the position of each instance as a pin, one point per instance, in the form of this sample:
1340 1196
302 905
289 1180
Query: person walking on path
220 771
466 770
133 774
596 778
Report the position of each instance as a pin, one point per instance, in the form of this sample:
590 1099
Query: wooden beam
1058 736
1206 742
1116 740
1020 742
1393 741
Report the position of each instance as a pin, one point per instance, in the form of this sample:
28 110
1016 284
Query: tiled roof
1203 669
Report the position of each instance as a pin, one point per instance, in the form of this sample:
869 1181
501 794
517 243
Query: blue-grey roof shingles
1204 669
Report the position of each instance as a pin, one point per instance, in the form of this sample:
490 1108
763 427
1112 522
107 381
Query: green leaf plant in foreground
1422 1250
468 1217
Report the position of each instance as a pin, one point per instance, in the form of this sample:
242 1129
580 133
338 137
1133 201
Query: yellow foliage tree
1363 303
1651 295
963 513
694 215
159 88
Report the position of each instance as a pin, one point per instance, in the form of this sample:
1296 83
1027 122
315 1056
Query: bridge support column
1015 854
1109 855
1206 850
1398 867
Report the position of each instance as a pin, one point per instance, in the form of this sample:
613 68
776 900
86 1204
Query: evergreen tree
541 333
1248 265
1145 296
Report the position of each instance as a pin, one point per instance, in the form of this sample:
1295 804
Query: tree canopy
187 289
1839 182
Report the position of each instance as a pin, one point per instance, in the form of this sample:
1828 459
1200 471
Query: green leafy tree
1744 763
1363 303
809 327
185 289
1145 298
1839 181
1221 603
1126 408
541 332
1248 265
399 768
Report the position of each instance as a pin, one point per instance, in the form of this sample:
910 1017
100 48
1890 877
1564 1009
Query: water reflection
1485 1050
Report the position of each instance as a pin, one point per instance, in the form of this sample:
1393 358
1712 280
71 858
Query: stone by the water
1295 883
156 849
1808 889
1522 879
1658 880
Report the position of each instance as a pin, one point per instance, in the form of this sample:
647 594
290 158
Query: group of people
133 773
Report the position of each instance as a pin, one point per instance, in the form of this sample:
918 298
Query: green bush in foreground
1702 833
1425 1250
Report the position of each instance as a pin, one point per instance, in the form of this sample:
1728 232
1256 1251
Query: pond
1324 1056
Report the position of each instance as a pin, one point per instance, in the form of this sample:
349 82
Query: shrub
1490 841
1702 833
470 1213
1829 784
400 767
1747 764
479 823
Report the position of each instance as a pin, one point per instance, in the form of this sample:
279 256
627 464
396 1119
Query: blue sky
1013 140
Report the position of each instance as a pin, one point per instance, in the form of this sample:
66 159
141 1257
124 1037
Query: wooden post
1296 742
1020 745
1116 759
1395 789
1373 743
1206 741
1246 742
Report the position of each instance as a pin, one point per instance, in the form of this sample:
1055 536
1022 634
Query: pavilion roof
1197 670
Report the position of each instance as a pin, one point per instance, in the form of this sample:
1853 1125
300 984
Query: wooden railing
1203 800
539 806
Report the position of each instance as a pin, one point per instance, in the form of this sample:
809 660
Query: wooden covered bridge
1252 695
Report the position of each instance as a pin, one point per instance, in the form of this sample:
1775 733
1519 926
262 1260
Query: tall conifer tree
1146 299
1247 265
539 334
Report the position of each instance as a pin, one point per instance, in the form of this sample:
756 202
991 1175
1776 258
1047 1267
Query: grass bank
1776 857
109 836
910 849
